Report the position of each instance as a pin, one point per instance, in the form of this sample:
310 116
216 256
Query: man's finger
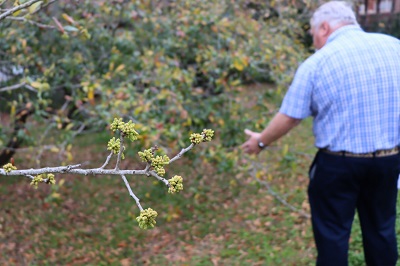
248 132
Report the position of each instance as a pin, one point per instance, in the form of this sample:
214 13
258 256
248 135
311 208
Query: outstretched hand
251 145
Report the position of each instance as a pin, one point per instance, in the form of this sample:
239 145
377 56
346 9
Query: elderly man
351 88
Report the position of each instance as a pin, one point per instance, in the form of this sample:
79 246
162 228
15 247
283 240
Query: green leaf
70 28
35 7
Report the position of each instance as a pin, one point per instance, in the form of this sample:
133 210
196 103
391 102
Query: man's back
355 91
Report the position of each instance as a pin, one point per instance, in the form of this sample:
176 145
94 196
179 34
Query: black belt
378 153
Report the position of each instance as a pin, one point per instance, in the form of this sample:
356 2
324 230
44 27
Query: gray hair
335 13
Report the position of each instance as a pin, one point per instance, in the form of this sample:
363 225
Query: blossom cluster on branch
154 166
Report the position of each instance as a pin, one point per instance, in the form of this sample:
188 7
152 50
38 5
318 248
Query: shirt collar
342 30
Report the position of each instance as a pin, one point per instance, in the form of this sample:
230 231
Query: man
351 88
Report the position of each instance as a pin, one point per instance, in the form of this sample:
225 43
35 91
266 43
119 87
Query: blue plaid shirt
351 87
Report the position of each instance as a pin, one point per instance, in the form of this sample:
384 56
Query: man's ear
325 29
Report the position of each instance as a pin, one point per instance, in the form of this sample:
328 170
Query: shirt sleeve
297 101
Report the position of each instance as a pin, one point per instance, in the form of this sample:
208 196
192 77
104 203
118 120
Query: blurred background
68 68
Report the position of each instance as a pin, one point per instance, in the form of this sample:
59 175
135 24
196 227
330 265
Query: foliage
175 64
387 24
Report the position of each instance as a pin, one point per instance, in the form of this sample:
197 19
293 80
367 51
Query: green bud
114 145
146 155
175 184
129 130
36 180
196 138
158 163
208 134
116 124
50 179
146 219
9 167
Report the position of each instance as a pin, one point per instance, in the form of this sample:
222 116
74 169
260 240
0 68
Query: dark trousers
341 185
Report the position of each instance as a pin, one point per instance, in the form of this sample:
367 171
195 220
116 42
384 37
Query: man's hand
279 126
251 145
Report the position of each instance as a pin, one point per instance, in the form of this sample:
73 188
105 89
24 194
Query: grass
225 218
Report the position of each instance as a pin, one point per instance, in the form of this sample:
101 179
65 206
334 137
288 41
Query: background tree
70 67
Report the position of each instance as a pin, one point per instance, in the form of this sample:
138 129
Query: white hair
335 13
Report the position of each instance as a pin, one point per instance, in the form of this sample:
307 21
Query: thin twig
40 25
64 144
30 177
121 150
255 167
17 86
131 192
107 160
180 154
159 178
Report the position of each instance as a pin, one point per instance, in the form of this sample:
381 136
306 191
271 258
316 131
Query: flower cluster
175 184
205 136
114 145
127 129
208 134
196 138
36 180
146 155
157 162
116 124
147 218
9 167
48 178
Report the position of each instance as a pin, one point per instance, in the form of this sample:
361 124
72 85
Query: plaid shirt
352 89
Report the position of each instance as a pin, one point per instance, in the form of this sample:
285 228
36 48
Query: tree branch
107 160
71 169
276 195
40 25
159 178
180 154
121 150
17 8
17 86
131 193
147 216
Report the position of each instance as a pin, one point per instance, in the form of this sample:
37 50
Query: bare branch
131 193
107 160
17 86
121 150
276 195
159 178
180 154
40 25
17 8
30 177
71 169
10 170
